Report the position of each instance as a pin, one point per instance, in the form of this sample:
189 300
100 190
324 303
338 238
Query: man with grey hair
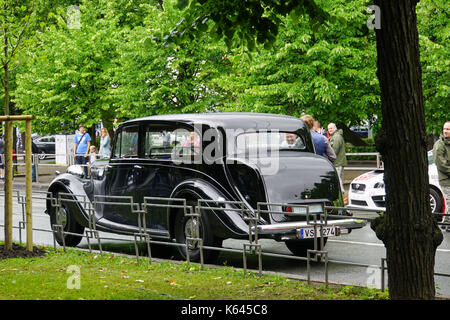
441 156
338 144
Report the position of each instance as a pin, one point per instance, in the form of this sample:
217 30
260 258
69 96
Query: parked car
212 157
46 146
367 190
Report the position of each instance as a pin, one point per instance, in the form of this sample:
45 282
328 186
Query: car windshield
266 142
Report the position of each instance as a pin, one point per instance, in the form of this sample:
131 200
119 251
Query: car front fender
69 184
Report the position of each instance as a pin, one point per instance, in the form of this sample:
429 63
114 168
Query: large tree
408 230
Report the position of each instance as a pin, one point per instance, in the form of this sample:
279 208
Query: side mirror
57 173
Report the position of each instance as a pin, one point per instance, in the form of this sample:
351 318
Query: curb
21 186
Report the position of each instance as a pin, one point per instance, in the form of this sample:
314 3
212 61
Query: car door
119 175
152 174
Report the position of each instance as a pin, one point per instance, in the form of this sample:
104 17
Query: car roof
231 120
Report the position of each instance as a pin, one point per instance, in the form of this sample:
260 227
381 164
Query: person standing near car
441 156
82 142
321 143
105 143
338 143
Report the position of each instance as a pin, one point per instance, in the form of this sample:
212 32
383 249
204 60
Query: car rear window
267 141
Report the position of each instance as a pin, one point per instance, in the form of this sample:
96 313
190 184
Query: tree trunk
408 230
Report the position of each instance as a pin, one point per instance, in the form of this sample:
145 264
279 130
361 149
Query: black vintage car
263 163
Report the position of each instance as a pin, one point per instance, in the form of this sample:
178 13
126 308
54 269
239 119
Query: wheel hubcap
63 217
190 231
432 203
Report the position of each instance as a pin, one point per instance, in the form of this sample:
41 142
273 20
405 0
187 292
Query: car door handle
138 167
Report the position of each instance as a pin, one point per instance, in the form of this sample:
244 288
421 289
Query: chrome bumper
286 227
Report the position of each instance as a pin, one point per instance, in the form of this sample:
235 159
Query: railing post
36 166
28 184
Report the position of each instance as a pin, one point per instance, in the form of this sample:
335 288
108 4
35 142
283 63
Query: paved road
346 252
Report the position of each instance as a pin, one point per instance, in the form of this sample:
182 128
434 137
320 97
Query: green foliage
241 22
116 65
434 32
68 73
330 74
349 148
136 58
154 78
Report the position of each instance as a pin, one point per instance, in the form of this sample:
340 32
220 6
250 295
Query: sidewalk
46 175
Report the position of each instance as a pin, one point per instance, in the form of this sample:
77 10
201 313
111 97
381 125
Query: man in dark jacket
321 144
441 156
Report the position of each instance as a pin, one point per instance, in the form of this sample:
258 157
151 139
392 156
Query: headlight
379 185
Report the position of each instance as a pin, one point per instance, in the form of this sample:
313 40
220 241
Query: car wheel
41 155
301 247
69 225
186 227
436 203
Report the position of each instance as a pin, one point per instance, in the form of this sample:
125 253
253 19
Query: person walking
105 143
321 143
441 156
338 143
82 142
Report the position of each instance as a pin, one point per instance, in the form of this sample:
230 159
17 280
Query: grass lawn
80 275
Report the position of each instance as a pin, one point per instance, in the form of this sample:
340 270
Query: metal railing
379 162
37 162
144 210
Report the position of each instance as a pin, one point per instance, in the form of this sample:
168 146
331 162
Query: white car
367 190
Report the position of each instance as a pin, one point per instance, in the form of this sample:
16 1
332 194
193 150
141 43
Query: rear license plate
307 233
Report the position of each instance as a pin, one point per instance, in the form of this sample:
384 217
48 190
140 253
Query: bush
369 148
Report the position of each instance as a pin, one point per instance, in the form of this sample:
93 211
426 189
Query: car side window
127 143
187 142
159 143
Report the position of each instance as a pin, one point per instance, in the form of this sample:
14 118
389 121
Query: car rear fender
225 223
